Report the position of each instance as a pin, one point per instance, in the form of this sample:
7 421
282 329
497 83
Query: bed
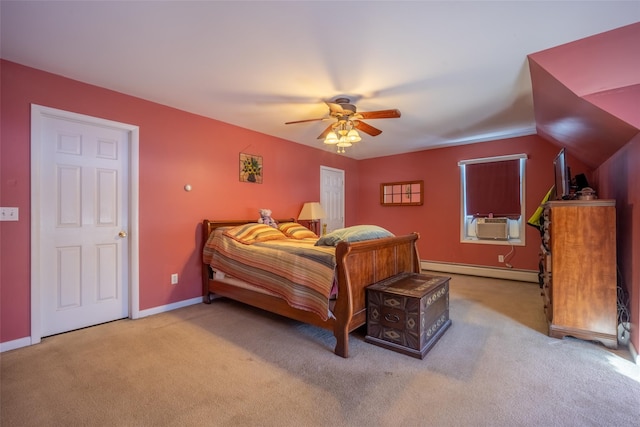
352 265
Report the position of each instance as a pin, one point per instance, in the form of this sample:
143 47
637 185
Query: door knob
122 234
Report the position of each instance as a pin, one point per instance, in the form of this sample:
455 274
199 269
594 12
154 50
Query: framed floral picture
250 168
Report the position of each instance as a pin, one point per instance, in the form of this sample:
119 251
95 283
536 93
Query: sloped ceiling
457 70
587 93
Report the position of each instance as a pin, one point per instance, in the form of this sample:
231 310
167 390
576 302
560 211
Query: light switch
8 214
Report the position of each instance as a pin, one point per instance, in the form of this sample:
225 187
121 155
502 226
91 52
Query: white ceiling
456 70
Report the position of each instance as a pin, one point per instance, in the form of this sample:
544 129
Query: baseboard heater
481 271
492 228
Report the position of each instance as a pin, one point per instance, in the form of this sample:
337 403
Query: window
493 187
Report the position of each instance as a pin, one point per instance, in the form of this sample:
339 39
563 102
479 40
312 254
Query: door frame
38 112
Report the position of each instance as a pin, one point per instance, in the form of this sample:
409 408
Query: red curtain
493 189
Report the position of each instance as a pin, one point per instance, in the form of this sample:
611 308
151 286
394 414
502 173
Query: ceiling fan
343 132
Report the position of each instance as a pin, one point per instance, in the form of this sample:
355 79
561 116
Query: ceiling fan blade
381 114
335 108
366 128
323 135
308 120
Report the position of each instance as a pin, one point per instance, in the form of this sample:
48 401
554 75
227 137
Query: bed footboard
361 264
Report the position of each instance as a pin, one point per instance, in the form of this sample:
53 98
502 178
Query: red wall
438 219
176 148
619 179
585 94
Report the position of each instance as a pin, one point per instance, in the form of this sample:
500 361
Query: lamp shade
354 136
311 211
331 138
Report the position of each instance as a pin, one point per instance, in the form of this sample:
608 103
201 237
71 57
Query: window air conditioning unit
492 228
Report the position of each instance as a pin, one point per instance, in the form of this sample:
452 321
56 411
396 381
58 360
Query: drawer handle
394 318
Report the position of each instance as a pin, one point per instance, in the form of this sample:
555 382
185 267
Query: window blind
493 189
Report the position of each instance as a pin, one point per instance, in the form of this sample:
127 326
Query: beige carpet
228 364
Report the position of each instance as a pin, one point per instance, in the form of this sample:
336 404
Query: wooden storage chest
408 313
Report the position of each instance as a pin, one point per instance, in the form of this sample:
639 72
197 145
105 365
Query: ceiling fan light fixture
344 132
353 136
331 138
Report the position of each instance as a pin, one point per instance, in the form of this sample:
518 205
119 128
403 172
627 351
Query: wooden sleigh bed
357 265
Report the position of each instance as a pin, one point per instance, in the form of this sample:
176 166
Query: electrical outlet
174 279
8 214
500 258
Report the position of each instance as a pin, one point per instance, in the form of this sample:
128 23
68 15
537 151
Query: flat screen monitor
562 179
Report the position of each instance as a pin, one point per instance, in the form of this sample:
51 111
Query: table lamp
312 212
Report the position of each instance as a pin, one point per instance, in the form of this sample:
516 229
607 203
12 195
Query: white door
332 197
83 218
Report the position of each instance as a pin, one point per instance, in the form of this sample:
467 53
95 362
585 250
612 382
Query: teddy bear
265 218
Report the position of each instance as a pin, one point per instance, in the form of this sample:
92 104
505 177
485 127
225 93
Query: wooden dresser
578 259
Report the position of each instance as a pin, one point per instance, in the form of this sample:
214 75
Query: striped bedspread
296 270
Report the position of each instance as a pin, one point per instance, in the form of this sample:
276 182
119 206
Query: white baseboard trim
474 270
25 342
12 345
169 307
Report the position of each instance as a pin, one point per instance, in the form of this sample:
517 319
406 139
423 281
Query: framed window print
404 193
